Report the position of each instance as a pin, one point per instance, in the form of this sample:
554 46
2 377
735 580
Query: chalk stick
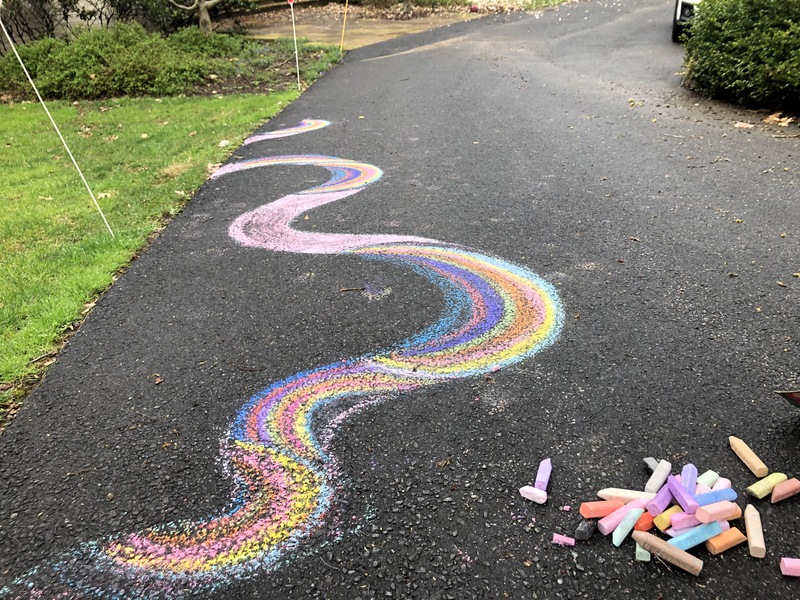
645 522
696 535
610 522
642 554
660 501
535 494
668 552
689 478
599 508
659 476
543 474
790 567
683 520
765 486
755 534
718 511
681 495
708 478
722 483
622 494
651 463
711 497
585 529
785 490
725 541
664 520
701 488
563 540
748 457
625 526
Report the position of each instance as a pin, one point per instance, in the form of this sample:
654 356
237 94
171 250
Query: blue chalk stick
696 535
716 496
689 477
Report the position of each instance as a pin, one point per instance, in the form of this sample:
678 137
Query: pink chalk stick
543 474
660 502
563 540
718 511
683 521
682 495
610 522
722 483
701 488
534 494
790 566
689 478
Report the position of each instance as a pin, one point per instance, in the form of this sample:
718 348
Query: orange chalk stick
645 522
725 540
600 508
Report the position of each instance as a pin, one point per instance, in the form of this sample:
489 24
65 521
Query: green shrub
747 51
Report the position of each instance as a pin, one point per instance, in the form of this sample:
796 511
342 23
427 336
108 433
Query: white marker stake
296 55
52 121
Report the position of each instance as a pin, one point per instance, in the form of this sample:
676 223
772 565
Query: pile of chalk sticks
690 509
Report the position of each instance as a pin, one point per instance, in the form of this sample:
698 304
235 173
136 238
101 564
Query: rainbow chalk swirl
496 314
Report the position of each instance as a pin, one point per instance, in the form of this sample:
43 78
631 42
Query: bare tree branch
212 3
181 6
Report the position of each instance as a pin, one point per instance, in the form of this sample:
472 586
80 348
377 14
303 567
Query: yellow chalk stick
662 521
748 457
765 486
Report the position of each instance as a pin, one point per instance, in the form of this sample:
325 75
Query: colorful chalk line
496 314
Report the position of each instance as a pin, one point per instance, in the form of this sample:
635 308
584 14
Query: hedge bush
746 51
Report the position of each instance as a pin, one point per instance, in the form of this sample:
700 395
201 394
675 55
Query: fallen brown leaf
741 125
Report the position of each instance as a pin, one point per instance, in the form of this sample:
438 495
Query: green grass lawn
143 159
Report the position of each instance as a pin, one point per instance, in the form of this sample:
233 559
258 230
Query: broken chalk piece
785 490
645 522
689 478
711 497
660 501
683 520
765 486
725 540
659 477
668 552
701 488
651 463
696 535
664 520
755 533
709 478
599 508
642 554
585 529
790 566
535 494
563 540
748 457
622 494
610 522
543 474
719 511
625 526
722 483
682 495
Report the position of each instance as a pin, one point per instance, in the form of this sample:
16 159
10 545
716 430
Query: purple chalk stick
660 502
689 478
716 496
682 495
543 474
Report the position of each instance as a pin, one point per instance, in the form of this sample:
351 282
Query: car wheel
677 31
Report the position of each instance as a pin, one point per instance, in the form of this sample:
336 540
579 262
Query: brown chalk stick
668 552
725 540
748 457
